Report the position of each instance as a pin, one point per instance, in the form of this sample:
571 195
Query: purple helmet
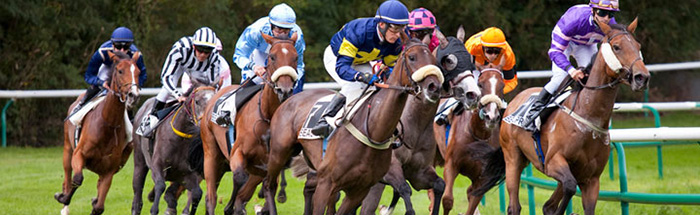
612 5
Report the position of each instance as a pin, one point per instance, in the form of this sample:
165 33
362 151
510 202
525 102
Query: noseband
118 93
414 88
627 71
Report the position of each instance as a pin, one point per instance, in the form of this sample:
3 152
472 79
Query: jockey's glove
366 78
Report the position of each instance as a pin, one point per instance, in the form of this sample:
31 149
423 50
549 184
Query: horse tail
299 166
195 157
494 172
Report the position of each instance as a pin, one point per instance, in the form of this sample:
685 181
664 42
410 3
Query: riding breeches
581 53
350 89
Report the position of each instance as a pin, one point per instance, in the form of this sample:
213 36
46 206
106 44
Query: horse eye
412 57
120 71
450 62
616 47
272 57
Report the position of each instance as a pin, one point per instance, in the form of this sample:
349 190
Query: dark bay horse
352 166
169 153
248 156
414 161
473 148
103 146
575 143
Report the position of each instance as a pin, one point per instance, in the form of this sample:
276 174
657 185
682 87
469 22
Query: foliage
46 44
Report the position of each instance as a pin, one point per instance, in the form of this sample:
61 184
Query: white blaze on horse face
469 84
493 82
285 51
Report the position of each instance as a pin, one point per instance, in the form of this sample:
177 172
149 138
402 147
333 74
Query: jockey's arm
300 46
244 48
93 68
142 66
172 61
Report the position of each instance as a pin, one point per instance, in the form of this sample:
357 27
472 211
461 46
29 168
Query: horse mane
587 70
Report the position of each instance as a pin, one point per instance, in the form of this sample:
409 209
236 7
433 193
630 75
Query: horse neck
386 108
268 102
596 105
418 114
477 126
113 110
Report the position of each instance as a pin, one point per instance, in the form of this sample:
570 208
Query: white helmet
204 37
283 16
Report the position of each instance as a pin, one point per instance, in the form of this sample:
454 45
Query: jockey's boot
224 119
89 94
150 121
535 110
323 128
441 119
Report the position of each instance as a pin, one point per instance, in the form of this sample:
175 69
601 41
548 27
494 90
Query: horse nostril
432 87
471 95
639 78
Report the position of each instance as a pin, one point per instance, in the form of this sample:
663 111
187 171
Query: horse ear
460 33
632 26
135 57
112 56
604 27
294 37
426 40
443 41
269 39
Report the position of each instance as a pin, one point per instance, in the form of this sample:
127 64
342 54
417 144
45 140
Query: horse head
622 55
198 96
456 64
491 84
124 82
416 68
282 62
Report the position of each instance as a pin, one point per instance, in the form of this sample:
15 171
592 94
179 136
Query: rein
190 111
414 89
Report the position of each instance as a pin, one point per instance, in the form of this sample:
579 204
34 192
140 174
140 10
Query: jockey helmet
420 19
612 5
283 16
204 37
122 34
219 46
493 37
392 12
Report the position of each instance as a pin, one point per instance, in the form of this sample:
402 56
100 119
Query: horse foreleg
352 201
589 194
370 203
275 166
309 190
449 174
514 166
322 195
138 180
240 177
550 206
158 187
171 195
282 195
558 168
195 192
246 193
67 189
103 184
473 200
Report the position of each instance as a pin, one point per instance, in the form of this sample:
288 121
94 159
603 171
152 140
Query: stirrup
441 120
321 129
147 125
224 119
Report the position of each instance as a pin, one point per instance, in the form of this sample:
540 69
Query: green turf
32 175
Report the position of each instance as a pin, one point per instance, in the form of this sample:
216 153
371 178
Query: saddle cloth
232 101
518 117
320 107
77 118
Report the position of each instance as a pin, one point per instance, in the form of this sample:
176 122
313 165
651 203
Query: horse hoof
282 198
170 211
384 210
65 210
94 202
59 198
97 211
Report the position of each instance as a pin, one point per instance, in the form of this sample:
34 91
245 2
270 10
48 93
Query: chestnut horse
353 166
575 143
248 155
473 148
103 146
414 162
168 156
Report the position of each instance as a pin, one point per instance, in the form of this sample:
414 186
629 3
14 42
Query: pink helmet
612 5
421 18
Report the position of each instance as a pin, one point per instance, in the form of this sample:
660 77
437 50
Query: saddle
78 117
232 101
320 106
518 117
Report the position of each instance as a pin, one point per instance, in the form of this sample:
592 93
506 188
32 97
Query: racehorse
249 153
102 146
575 139
414 162
358 154
473 148
167 155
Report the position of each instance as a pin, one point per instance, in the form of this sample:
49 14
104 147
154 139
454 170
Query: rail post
4 122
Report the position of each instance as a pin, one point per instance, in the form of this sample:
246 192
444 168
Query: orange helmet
493 37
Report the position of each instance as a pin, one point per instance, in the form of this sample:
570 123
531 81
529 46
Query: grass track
32 175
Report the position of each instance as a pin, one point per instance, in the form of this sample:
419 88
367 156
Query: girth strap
365 140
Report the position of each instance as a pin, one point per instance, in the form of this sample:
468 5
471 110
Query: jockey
576 34
196 56
421 22
99 67
490 49
252 50
224 74
352 48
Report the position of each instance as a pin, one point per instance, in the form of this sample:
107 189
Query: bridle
627 71
414 88
117 82
268 82
190 110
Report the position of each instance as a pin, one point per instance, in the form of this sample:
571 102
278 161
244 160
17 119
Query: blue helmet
204 37
283 16
392 12
122 34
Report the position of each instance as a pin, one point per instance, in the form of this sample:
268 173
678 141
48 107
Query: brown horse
473 144
168 156
414 162
249 154
576 143
354 167
102 146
